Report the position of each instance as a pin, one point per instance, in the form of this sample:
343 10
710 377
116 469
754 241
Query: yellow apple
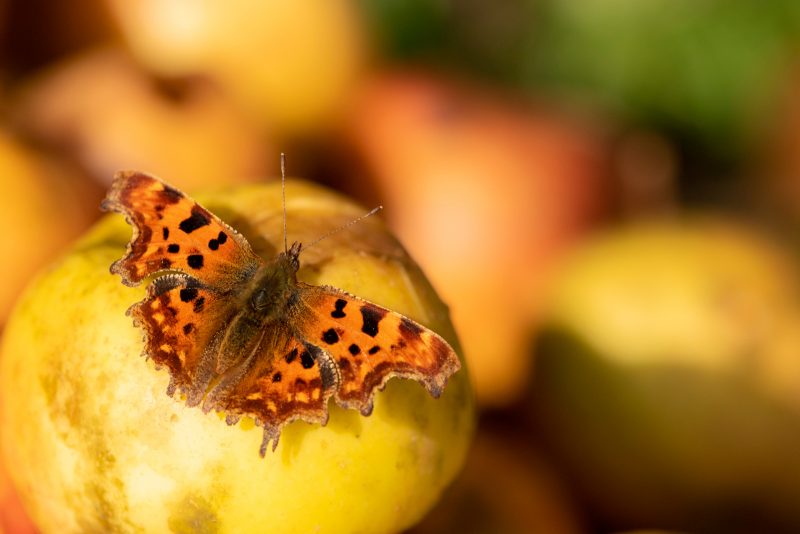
112 115
94 443
668 378
43 206
292 63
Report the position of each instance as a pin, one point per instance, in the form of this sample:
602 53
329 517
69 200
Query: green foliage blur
706 72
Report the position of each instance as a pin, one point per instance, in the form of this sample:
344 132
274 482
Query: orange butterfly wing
285 379
182 321
172 232
371 344
200 321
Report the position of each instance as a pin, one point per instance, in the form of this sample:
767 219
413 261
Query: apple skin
667 378
94 443
13 517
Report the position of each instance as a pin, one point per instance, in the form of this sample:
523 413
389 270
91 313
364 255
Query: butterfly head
293 255
285 265
275 281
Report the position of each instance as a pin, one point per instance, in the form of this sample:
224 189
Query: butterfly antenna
373 211
283 192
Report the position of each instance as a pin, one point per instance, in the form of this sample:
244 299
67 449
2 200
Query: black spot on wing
374 349
173 248
165 233
187 328
198 219
291 356
306 360
338 312
195 261
199 304
222 237
277 377
330 336
371 316
354 349
188 294
213 244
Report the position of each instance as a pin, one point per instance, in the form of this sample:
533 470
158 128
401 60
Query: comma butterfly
242 335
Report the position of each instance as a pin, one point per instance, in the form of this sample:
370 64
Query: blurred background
605 192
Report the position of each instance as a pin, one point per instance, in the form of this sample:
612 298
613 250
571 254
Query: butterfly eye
259 300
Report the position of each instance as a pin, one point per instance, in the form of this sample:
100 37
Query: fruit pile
603 198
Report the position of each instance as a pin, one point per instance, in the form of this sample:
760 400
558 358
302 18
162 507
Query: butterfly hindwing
371 344
182 322
284 379
173 232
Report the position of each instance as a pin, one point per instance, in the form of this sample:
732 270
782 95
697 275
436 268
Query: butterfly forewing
173 232
371 344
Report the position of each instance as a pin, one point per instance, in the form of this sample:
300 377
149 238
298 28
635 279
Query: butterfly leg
271 433
228 382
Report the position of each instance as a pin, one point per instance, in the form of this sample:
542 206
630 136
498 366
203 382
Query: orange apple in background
487 195
291 63
43 206
111 115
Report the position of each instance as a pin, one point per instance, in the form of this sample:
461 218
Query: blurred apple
113 116
668 378
290 62
487 195
43 206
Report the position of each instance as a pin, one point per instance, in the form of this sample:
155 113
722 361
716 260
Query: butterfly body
243 336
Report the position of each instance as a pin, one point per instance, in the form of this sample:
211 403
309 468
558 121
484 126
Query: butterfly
241 335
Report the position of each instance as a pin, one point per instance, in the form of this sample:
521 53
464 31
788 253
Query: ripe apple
291 63
488 193
95 444
668 374
110 114
43 207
